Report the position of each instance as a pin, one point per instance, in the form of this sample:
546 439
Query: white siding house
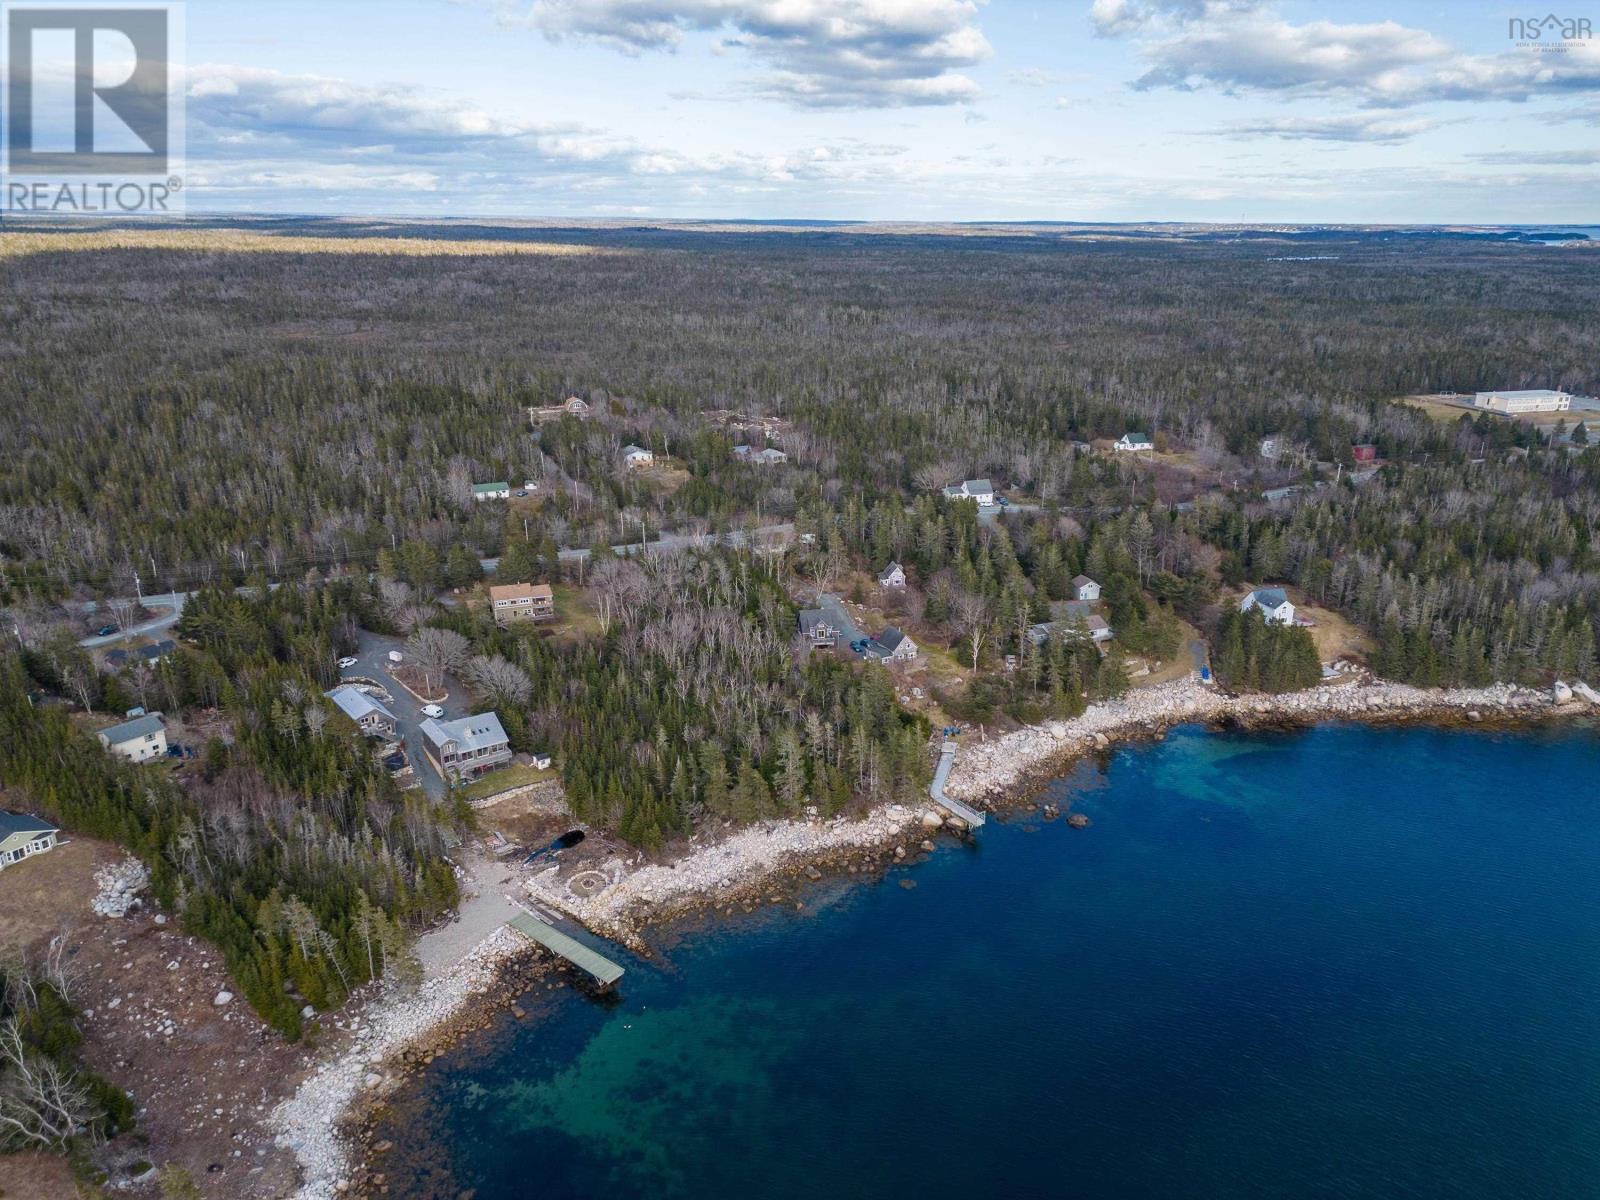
980 490
892 576
1084 588
1273 604
1134 441
637 457
138 740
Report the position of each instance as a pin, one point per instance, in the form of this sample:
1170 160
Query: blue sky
1083 110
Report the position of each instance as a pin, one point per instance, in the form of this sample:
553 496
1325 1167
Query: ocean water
1346 962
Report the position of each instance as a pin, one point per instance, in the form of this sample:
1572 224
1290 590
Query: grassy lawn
505 779
574 614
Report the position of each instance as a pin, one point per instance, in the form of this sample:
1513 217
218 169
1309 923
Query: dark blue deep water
1346 962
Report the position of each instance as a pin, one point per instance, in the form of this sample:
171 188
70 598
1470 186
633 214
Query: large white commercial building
1533 400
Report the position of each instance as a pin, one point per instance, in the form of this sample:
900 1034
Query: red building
1365 453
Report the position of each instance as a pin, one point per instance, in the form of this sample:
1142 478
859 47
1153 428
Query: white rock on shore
992 768
743 858
308 1121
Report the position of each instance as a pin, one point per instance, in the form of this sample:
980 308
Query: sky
1258 111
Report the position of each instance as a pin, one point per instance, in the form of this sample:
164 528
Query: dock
970 816
604 971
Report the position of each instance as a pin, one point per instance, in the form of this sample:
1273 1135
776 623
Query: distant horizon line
34 219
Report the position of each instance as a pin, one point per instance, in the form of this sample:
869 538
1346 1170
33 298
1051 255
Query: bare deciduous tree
972 618
438 652
498 681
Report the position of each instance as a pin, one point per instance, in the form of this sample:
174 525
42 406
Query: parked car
520 495
105 631
346 663
394 656
432 710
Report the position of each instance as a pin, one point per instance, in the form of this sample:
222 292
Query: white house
575 404
1134 441
980 490
1273 604
138 740
892 576
1271 448
636 457
1526 401
499 489
1084 588
1099 628
22 836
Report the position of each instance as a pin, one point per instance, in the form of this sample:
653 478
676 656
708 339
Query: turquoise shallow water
1347 962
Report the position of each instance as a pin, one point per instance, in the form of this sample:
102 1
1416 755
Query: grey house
22 836
366 712
892 646
466 748
827 624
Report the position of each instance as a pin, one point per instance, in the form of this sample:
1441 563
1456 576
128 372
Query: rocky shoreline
740 870
387 1037
988 771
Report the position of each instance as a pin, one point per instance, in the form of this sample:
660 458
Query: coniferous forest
294 438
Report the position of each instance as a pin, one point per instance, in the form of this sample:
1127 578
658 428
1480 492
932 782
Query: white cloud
1360 127
820 53
1238 46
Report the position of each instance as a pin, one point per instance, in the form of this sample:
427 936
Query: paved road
372 661
667 544
171 600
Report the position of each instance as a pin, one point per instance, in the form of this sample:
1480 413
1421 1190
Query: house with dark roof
892 576
1084 588
891 646
22 836
154 654
1272 603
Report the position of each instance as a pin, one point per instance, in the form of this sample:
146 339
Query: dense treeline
1466 574
312 409
291 849
692 704
1254 654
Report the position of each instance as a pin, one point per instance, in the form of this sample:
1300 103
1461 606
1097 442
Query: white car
394 656
432 710
346 663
